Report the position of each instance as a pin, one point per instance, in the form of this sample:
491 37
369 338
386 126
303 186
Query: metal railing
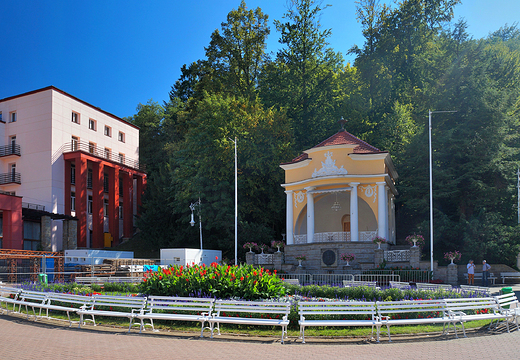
342 236
397 255
33 206
12 149
410 276
10 178
101 153
264 259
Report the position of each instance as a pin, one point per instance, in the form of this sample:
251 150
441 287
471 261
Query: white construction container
94 257
189 256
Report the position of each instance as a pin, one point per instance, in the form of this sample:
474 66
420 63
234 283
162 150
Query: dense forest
415 58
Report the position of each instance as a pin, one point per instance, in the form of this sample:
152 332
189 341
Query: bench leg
388 329
302 334
202 329
378 331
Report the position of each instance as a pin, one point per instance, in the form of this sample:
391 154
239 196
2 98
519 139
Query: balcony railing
335 236
13 149
33 206
101 153
10 178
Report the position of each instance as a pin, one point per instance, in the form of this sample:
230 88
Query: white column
387 215
290 218
310 215
354 218
392 218
381 210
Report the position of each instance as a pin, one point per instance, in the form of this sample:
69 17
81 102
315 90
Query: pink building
69 173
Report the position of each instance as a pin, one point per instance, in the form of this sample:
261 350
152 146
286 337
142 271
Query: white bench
508 306
49 301
65 303
176 308
292 281
478 276
103 305
509 275
226 311
433 287
90 280
350 283
469 309
391 313
9 295
112 279
336 313
400 285
478 289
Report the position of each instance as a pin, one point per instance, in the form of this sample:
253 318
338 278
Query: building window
105 183
107 153
72 201
1 121
121 158
89 179
75 117
89 204
13 145
121 136
120 210
72 174
31 235
13 172
92 124
108 131
12 117
91 147
75 143
121 192
105 207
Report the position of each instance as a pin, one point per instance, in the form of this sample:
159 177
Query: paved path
22 339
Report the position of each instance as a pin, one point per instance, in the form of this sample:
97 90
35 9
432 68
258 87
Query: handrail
102 154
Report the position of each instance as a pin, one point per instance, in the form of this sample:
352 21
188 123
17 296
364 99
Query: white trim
345 179
380 156
297 165
383 156
331 147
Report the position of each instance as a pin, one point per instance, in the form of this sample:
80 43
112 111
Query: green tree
301 79
203 166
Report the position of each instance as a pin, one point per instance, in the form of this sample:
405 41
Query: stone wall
316 253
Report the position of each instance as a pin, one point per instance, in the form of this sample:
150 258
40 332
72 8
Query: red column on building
12 227
113 204
128 224
97 205
81 199
67 199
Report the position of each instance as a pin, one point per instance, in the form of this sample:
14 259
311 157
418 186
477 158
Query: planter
250 250
348 264
278 249
414 243
300 263
379 245
451 260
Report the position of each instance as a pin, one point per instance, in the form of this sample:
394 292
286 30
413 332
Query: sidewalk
22 339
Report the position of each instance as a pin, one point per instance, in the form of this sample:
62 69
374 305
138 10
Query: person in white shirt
471 273
485 273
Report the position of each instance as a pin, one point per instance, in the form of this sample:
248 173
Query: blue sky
116 54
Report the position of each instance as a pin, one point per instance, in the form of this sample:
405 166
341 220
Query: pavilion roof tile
342 137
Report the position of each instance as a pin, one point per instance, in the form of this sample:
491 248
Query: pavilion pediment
329 167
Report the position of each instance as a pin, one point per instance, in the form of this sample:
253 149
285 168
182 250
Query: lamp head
192 222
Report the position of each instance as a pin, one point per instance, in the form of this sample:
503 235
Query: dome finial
342 123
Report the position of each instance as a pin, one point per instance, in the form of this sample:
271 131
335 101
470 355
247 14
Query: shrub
220 281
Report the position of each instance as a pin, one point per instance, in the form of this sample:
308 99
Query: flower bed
219 281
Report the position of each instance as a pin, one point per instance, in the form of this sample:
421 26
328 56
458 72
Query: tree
301 79
203 166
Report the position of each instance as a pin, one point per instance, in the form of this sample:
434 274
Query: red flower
216 258
241 278
275 271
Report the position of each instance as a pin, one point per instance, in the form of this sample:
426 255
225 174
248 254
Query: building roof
72 97
342 137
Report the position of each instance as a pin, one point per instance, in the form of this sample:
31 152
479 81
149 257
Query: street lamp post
431 181
192 222
236 203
